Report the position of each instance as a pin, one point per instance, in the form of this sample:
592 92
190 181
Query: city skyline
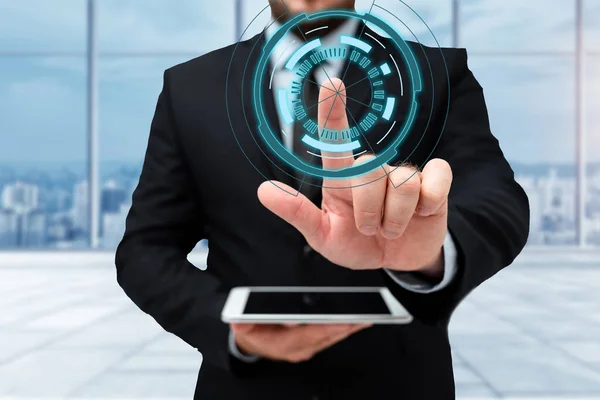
36 212
522 53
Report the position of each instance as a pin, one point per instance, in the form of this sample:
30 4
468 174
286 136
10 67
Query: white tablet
288 305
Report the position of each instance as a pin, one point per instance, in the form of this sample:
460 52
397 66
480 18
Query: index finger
334 129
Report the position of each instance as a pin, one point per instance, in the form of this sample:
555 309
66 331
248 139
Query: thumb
296 210
241 328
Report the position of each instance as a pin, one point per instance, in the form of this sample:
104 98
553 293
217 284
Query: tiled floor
66 332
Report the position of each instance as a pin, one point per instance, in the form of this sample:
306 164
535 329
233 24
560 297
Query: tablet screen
316 303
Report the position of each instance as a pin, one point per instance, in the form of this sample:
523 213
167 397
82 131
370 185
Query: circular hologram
397 93
385 70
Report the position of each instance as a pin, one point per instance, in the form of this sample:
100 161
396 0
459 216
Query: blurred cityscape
45 208
534 48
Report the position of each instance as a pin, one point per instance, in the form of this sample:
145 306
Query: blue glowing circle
272 140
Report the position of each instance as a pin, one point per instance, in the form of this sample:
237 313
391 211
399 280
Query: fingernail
368 230
390 235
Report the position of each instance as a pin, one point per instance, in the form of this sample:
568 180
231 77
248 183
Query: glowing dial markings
378 106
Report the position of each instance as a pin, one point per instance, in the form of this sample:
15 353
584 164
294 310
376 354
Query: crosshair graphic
382 106
383 82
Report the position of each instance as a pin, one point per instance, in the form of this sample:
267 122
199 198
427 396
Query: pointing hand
398 221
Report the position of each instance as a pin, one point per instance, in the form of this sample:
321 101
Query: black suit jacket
196 183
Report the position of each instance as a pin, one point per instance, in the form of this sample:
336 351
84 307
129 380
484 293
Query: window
592 129
254 18
523 53
517 26
138 41
591 25
165 26
428 22
536 130
43 166
43 26
129 88
591 124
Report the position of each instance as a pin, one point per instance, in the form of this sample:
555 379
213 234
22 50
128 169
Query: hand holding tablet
290 342
313 305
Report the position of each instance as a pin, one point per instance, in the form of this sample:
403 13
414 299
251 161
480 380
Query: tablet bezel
233 311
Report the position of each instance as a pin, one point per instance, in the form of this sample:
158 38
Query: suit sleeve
488 214
163 226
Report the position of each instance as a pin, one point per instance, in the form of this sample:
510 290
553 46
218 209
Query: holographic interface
382 105
383 80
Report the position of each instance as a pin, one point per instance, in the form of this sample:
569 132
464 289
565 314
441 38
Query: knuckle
434 197
298 211
394 225
409 186
405 183
369 213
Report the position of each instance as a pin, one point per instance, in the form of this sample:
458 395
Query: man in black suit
449 226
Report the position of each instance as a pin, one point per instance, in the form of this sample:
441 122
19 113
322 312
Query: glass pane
428 20
592 129
129 89
42 25
436 14
592 24
43 153
165 25
536 130
517 25
254 16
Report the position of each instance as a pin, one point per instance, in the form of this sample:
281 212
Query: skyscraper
80 213
8 229
113 226
112 197
33 229
22 222
20 197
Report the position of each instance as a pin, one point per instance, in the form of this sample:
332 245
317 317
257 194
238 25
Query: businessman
457 219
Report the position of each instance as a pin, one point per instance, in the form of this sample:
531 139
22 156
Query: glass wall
524 54
43 125
592 127
591 104
138 40
536 130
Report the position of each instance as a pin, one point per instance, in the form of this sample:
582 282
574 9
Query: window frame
92 56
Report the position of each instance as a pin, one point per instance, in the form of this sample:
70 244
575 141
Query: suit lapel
253 143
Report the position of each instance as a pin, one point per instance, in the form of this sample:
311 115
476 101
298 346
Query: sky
43 97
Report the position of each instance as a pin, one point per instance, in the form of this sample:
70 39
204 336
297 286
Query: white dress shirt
281 78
